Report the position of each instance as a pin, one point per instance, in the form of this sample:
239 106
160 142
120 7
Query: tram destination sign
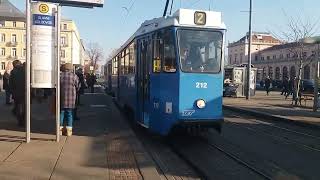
78 3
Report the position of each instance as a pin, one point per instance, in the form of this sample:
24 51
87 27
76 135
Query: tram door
143 81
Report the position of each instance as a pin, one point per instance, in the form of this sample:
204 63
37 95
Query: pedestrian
6 87
91 80
267 84
285 86
17 86
69 83
290 87
80 91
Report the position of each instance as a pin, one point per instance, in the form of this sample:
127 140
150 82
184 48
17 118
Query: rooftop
9 12
261 37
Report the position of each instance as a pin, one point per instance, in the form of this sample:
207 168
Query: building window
65 26
24 38
274 57
241 58
63 41
235 58
268 57
3 65
24 25
262 58
288 56
14 24
256 58
3 37
24 52
63 53
14 52
281 56
3 51
1 23
14 38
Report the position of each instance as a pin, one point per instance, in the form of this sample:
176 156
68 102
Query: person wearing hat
69 84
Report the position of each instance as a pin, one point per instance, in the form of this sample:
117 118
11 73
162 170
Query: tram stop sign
78 3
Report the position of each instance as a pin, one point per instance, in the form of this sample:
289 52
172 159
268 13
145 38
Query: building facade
238 51
283 61
72 48
13 38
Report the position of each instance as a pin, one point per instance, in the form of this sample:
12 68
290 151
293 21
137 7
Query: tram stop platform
102 146
275 107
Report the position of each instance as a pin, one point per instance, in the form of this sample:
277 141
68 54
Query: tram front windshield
200 51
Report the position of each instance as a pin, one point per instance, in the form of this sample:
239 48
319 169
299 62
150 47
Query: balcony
12 44
12 57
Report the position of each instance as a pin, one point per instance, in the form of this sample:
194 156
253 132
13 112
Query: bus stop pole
27 72
58 73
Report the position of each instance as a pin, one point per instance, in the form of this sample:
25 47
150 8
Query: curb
272 117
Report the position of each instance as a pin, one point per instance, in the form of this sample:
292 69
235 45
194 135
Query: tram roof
181 18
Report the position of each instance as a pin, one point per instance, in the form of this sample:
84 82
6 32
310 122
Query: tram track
269 129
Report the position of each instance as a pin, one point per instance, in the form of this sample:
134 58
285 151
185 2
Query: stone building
283 61
13 38
238 51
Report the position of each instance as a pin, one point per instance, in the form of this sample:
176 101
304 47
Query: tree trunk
299 82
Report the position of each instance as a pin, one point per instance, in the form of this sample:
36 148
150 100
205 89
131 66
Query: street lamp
315 40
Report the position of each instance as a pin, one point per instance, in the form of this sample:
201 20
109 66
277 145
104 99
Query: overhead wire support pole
249 53
166 8
27 72
316 82
57 44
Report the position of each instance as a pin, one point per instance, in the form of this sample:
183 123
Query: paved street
276 105
102 147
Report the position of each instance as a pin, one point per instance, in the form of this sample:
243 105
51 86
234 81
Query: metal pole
27 71
316 82
249 53
165 9
57 23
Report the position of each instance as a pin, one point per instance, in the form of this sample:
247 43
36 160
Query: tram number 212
201 85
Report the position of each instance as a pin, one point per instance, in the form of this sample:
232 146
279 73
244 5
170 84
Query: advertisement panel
43 54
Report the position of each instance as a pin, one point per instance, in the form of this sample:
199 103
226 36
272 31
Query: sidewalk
102 147
275 107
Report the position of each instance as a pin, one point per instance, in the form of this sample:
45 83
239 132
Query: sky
113 24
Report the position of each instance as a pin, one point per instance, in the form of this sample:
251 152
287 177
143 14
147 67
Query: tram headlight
201 103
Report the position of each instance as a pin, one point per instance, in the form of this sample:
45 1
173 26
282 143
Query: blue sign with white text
43 20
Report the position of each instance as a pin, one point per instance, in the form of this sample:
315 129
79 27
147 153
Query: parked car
308 85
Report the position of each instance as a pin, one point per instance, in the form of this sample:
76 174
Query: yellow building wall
19 30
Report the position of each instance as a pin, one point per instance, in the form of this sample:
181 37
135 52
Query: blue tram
170 72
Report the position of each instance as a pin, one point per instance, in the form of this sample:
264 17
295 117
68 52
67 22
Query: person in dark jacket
17 86
6 87
267 85
69 84
91 80
80 91
285 88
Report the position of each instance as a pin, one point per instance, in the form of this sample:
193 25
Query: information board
43 54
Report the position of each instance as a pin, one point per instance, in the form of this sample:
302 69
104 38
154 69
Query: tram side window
169 64
115 66
126 61
122 63
131 59
157 52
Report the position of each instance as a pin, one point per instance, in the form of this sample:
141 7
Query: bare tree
296 31
95 54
